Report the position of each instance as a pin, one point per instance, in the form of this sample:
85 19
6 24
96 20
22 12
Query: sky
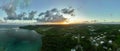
100 10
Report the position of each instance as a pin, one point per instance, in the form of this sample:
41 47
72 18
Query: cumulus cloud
32 14
69 10
9 10
55 15
21 15
10 7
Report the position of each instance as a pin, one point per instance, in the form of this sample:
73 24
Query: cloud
68 11
9 10
21 15
32 14
52 15
10 7
55 15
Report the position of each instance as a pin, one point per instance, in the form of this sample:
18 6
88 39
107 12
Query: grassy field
82 37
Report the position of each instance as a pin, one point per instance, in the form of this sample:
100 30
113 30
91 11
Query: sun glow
70 20
74 21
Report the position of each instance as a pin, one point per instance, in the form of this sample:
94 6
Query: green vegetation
83 37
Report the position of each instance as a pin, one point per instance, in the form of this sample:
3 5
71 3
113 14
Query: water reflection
15 39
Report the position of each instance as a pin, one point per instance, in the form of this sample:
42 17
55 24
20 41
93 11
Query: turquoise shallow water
15 39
